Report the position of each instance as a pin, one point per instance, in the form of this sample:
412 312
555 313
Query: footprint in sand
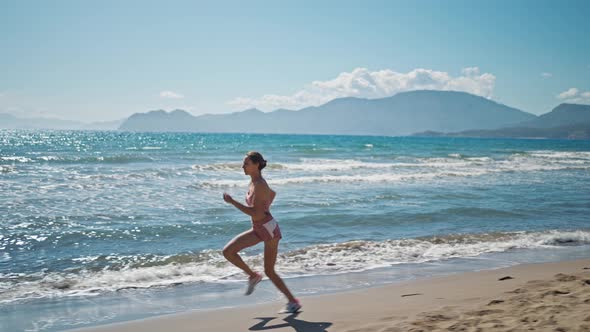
484 312
436 318
393 318
517 291
555 292
565 277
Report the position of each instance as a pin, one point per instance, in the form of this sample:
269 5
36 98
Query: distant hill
401 114
8 121
562 115
177 120
566 121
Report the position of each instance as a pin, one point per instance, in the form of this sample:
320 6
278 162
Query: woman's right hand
227 198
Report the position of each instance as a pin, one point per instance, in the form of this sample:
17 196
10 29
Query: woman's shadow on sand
297 324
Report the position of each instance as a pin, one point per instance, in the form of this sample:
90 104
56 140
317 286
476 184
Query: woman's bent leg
271 249
240 242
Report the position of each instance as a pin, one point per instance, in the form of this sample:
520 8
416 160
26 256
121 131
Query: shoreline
536 293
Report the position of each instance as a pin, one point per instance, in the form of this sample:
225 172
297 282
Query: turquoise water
98 220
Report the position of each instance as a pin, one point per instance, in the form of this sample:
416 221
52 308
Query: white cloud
575 96
171 95
570 93
363 83
546 75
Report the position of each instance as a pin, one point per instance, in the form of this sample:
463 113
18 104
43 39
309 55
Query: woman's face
249 167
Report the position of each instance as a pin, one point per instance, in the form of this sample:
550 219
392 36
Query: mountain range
425 112
571 121
9 121
402 114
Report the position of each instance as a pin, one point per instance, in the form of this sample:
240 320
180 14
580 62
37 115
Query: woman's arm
258 207
246 209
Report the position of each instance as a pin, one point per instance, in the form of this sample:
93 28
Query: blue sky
106 60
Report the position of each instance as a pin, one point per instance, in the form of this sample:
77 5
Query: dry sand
536 297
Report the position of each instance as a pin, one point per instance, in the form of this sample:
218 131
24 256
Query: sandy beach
529 297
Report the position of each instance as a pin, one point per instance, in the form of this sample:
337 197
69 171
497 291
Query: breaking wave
147 271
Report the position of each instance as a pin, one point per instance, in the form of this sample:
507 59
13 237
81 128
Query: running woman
264 229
